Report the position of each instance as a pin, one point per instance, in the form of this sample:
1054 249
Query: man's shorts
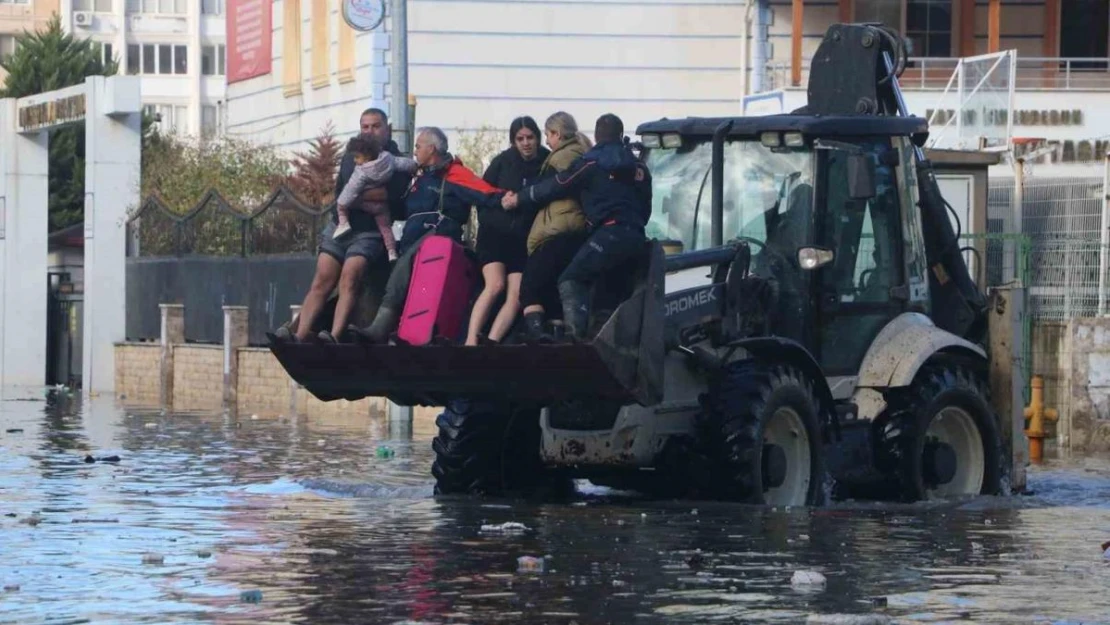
369 245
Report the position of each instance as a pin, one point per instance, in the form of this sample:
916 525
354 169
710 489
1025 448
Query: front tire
493 449
761 428
942 437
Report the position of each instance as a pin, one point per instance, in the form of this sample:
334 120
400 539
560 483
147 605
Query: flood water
214 519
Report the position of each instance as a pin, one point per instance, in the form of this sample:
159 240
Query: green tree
52 59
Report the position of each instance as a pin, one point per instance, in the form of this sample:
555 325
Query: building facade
477 64
17 16
177 47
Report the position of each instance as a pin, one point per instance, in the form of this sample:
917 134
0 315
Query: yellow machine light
650 141
770 139
794 139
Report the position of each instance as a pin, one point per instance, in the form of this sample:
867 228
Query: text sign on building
46 111
249 36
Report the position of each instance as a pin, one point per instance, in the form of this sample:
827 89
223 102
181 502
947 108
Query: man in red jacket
437 202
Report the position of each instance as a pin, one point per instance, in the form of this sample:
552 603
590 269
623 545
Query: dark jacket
360 220
441 196
613 185
510 172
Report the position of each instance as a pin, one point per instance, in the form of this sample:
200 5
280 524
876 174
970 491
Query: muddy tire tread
730 428
909 411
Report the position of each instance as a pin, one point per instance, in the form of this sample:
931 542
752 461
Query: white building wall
123 23
479 63
259 110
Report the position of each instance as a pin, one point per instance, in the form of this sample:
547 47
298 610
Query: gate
64 314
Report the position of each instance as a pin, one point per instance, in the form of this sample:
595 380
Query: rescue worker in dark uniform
614 188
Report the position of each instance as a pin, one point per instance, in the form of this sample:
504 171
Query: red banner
249 39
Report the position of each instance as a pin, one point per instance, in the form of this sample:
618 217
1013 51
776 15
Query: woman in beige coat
558 231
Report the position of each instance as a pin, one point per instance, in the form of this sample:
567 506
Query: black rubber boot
534 330
385 322
576 309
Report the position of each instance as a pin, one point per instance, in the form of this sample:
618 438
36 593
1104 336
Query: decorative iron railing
281 224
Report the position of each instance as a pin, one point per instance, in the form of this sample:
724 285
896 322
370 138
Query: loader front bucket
623 362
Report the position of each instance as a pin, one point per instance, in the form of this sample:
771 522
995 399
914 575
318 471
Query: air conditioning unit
82 18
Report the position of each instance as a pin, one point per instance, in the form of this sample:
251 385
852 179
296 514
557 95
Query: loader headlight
770 139
794 139
650 141
810 258
672 140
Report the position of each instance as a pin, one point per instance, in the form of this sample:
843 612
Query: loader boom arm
855 72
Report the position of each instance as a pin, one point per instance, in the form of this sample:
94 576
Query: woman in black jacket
502 235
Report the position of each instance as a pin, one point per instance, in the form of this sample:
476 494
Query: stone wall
263 387
1085 363
137 372
198 377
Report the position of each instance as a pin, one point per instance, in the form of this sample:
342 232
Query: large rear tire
491 448
760 427
942 439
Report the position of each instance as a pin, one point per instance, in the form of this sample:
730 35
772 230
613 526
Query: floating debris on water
807 579
510 527
153 558
251 596
529 564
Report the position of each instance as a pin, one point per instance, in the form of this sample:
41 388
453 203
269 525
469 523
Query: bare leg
327 275
494 276
509 311
350 287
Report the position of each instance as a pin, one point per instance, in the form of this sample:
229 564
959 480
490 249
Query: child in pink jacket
373 168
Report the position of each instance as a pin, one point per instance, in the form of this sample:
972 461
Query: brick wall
198 377
264 386
137 372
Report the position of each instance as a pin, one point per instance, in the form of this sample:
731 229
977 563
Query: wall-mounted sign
363 15
999 117
1067 150
51 113
249 34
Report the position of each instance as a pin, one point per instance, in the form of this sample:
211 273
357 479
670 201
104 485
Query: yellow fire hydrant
1037 413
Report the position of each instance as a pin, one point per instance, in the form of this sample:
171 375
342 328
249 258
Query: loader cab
827 206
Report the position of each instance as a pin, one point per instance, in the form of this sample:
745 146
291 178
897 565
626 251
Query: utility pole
399 75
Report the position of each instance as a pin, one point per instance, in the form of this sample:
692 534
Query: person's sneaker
393 256
284 335
326 338
341 230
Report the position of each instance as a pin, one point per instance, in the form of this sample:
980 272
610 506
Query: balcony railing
930 73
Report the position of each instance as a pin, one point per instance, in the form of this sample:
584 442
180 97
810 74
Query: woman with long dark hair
502 235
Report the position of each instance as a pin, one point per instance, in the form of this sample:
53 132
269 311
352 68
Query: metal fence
933 73
282 224
216 255
1061 222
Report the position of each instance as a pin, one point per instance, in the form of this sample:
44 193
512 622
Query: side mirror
810 258
861 177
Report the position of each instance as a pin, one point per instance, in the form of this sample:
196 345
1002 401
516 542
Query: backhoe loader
801 325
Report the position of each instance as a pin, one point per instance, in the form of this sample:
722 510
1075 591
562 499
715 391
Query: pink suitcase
439 292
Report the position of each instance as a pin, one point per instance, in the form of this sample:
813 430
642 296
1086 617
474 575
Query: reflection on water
204 512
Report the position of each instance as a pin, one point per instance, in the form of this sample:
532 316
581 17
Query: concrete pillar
24 197
1008 374
400 421
236 333
173 333
113 140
